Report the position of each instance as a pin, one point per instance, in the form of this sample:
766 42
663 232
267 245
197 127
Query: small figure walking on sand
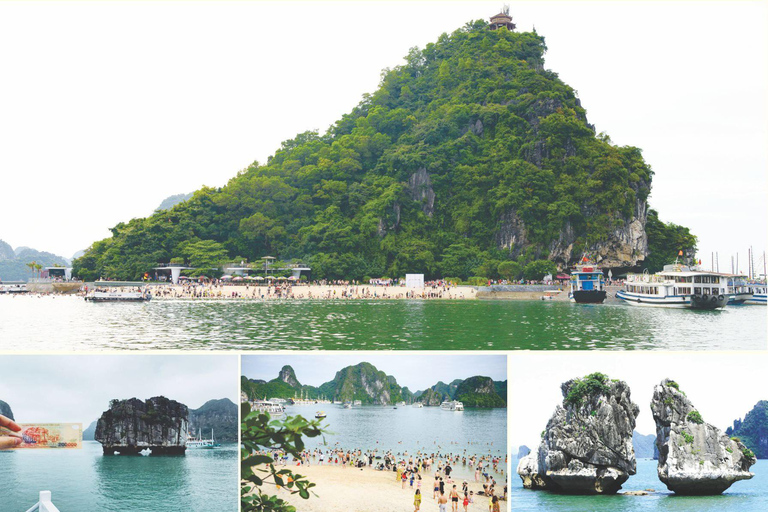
417 500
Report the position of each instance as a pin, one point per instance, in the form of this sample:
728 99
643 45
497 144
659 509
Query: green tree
260 435
537 269
510 270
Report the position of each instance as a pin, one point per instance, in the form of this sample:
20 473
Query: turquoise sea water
84 480
744 496
408 429
69 323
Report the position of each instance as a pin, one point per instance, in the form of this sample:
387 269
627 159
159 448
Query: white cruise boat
401 404
135 295
453 405
418 405
677 286
738 290
201 443
275 410
357 403
759 295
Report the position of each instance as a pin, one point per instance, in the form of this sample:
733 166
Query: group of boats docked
277 409
677 286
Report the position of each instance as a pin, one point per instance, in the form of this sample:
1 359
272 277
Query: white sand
250 291
349 489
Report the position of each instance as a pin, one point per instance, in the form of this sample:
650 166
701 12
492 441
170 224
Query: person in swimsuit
466 501
437 487
454 500
495 506
441 502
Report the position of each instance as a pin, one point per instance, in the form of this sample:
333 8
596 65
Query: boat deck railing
45 504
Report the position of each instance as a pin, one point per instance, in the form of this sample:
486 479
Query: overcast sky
416 371
77 389
108 108
722 386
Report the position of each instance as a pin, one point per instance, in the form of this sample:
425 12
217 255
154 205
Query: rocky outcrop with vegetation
131 426
695 458
219 416
586 447
469 155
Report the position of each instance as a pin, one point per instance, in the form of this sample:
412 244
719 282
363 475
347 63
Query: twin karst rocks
586 447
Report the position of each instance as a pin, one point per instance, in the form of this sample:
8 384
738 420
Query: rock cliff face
420 187
365 383
217 415
5 410
288 376
130 426
694 456
587 445
753 431
431 398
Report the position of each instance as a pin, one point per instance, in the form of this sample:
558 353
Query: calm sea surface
84 480
745 496
69 323
408 429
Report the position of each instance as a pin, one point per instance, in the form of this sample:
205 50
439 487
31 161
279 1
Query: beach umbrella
281 277
258 278
226 277
269 277
183 277
292 278
238 278
563 276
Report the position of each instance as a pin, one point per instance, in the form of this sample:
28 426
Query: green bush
695 417
477 281
593 384
748 453
688 437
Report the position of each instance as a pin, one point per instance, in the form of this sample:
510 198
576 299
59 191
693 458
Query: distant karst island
364 382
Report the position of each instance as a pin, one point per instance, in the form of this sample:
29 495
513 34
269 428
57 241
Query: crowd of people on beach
431 290
415 472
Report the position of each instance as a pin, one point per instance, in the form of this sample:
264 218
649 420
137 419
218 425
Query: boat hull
708 301
737 299
588 296
757 299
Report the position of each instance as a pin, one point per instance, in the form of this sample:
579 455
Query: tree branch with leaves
261 435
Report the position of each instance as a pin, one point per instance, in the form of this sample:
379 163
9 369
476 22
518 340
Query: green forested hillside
468 155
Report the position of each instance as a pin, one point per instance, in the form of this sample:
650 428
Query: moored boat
677 286
275 410
738 290
759 294
587 285
418 405
452 405
199 442
320 415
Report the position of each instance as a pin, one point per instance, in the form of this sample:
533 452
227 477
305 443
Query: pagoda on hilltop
502 20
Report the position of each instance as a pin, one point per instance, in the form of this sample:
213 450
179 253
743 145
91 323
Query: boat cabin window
697 290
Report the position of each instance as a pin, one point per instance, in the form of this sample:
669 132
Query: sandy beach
350 489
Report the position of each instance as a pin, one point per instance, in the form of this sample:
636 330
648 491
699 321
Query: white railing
45 504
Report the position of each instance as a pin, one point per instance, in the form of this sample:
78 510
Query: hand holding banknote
8 440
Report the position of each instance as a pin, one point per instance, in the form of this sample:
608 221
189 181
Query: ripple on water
69 323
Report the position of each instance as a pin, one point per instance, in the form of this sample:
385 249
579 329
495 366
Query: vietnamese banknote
48 435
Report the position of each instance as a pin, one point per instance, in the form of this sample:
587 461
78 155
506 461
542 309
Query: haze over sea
62 323
744 496
85 480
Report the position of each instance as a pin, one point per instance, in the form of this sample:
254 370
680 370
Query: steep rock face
511 233
587 445
753 431
219 416
288 376
420 187
5 410
694 456
365 383
130 426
